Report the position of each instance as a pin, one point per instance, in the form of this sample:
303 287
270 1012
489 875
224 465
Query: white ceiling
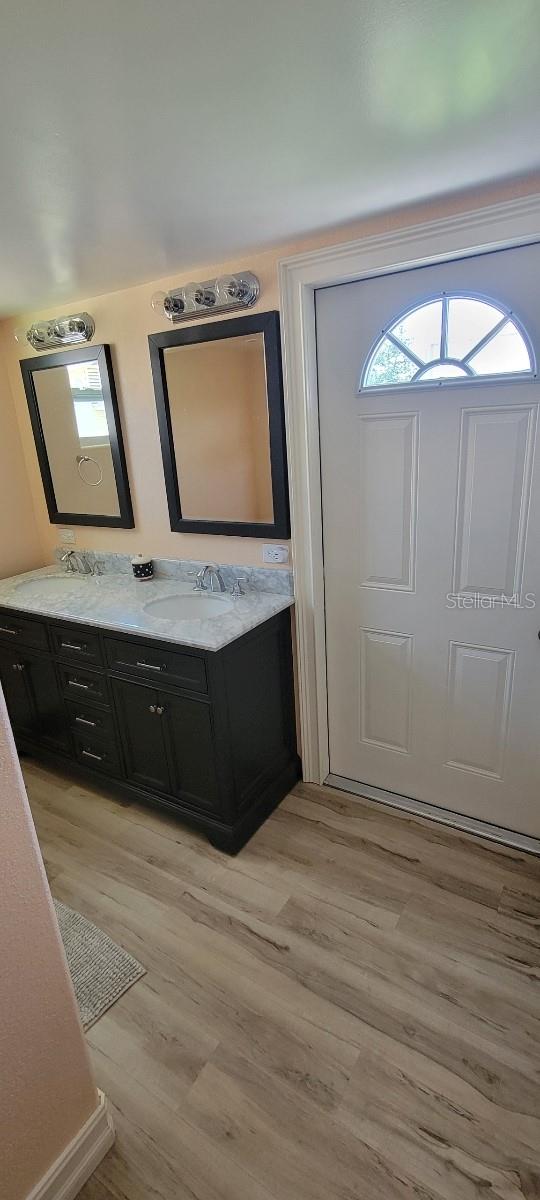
142 137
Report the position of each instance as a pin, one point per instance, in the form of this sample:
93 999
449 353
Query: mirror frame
266 323
102 355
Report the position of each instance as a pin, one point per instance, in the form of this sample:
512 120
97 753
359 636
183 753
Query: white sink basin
47 585
189 607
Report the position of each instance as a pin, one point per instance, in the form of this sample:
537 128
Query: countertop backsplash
251 579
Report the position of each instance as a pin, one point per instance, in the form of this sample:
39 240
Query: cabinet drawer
18 631
98 756
73 645
157 666
83 685
90 722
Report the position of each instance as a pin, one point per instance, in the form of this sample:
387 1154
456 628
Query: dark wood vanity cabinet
209 735
168 744
33 698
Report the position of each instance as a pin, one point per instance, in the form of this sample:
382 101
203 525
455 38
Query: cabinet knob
18 666
160 710
152 708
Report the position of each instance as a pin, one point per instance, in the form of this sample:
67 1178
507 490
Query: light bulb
237 289
208 296
168 304
199 295
229 288
191 294
158 301
174 305
40 333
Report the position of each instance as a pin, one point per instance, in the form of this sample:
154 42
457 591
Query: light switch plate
67 537
275 554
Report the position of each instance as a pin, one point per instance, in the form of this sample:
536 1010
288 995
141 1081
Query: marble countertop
118 602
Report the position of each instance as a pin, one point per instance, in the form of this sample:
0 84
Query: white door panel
496 446
431 519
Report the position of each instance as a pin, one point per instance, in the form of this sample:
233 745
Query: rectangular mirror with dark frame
219 397
76 424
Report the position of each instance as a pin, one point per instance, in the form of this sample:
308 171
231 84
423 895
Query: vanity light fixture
225 294
58 331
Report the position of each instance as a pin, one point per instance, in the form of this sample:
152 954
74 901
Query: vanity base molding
209 736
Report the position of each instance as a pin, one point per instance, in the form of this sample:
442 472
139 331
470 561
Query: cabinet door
188 728
33 698
141 728
15 683
48 702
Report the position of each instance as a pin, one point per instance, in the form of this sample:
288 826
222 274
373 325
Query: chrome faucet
68 558
212 572
76 563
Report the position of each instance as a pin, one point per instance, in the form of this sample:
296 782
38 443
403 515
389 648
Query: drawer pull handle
88 754
5 629
75 683
18 666
85 721
146 665
72 646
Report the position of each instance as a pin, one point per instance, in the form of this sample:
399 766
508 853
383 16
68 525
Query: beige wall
21 547
124 319
219 418
46 1086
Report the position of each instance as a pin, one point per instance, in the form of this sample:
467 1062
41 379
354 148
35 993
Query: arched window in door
450 338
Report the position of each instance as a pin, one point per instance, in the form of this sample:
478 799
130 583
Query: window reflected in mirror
77 439
74 418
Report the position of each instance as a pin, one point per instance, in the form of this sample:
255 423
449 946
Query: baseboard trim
79 1160
431 812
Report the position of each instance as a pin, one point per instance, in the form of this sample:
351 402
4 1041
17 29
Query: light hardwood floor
349 1010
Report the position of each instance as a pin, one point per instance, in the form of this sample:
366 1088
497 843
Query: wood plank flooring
349 1010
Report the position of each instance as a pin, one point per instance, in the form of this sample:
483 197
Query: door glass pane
452 337
443 371
390 365
468 322
506 352
421 331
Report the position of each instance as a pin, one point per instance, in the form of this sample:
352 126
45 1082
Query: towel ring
86 458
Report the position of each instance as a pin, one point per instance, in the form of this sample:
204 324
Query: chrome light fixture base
224 294
59 331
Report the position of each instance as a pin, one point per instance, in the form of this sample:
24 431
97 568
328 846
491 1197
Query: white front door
431 519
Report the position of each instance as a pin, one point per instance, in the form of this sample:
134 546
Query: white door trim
512 223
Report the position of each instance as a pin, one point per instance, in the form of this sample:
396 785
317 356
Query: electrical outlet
275 554
66 537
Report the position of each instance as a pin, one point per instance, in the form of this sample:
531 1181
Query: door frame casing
493 227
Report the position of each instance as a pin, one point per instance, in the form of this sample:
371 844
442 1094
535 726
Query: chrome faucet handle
237 590
78 562
68 558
